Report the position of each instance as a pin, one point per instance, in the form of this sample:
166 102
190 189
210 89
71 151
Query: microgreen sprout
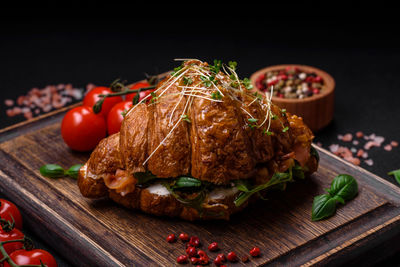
247 84
187 80
252 123
284 130
186 118
232 65
216 95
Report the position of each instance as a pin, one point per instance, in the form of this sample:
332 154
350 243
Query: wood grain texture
101 233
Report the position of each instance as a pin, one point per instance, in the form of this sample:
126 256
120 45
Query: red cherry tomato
32 257
93 96
14 234
82 130
115 117
143 94
8 211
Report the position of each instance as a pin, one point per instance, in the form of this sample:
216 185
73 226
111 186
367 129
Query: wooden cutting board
101 233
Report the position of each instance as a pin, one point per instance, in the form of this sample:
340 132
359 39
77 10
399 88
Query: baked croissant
203 147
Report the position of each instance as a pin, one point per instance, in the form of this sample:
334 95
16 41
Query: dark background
89 42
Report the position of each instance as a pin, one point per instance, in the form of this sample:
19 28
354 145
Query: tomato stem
97 106
7 258
128 91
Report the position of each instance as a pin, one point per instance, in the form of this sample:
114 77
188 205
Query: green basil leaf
323 206
144 177
187 182
52 171
73 171
344 186
396 174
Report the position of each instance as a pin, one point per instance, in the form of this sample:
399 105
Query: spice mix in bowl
300 89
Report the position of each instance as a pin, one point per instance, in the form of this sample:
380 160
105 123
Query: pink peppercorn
182 259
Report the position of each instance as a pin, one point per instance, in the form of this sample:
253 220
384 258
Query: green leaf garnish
284 130
73 171
343 188
216 95
187 182
186 118
187 80
135 100
246 192
323 207
52 171
396 174
232 65
56 171
247 83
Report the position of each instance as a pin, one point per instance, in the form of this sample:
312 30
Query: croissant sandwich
201 146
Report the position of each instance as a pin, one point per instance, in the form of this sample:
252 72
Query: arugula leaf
323 206
396 174
246 193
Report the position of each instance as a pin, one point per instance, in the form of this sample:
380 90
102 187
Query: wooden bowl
317 110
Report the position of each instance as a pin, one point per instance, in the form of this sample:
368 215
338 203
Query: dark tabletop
98 46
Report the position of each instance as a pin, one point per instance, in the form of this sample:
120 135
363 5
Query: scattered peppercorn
232 257
194 241
255 252
291 83
184 237
194 260
213 246
171 238
182 259
191 251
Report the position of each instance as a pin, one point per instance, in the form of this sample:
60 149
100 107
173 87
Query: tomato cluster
82 129
13 241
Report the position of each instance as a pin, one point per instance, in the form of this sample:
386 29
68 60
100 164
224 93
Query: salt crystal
47 108
347 137
334 148
394 143
359 134
355 142
360 152
387 147
370 144
355 161
365 155
340 137
28 115
9 102
379 140
353 149
369 162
